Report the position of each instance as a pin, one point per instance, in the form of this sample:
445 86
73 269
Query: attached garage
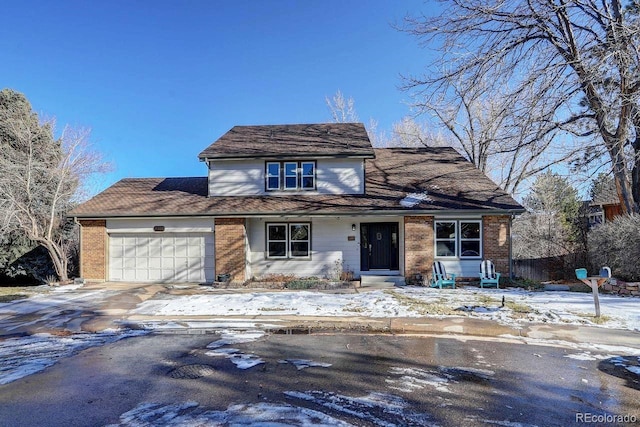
165 257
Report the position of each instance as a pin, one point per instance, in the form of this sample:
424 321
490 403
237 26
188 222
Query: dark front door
379 246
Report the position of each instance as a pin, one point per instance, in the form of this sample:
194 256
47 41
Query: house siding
418 244
93 244
230 248
247 177
331 249
171 225
496 241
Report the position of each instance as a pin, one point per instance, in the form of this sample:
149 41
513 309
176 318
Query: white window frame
285 241
303 176
478 239
296 176
457 239
291 241
269 188
441 239
288 241
299 177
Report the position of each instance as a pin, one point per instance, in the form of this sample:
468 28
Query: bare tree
550 225
408 132
42 177
499 134
579 58
342 110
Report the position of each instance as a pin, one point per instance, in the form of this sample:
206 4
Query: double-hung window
288 240
458 239
291 175
273 176
297 175
308 175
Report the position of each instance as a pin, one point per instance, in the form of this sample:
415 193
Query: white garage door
167 257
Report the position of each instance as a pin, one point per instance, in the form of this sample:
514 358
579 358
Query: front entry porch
379 246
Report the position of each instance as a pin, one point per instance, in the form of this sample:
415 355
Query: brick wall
418 245
495 241
230 245
93 246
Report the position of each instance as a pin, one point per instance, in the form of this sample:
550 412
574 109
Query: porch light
353 227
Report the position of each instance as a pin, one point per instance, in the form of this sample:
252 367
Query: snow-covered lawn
520 306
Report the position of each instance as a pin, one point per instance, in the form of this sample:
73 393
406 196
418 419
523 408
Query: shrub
303 284
616 244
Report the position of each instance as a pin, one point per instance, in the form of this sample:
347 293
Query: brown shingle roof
410 180
279 141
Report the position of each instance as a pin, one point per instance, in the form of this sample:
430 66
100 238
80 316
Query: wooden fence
551 268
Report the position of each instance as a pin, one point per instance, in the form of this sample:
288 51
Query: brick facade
231 251
496 242
93 252
418 245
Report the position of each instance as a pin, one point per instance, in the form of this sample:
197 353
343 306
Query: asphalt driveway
321 379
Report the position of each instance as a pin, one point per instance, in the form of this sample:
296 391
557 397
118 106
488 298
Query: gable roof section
398 180
290 141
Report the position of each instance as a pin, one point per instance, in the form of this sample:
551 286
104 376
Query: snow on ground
230 337
587 355
59 308
412 379
28 355
244 360
378 409
612 350
258 414
628 363
409 380
521 306
305 363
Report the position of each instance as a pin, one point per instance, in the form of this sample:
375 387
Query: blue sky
158 81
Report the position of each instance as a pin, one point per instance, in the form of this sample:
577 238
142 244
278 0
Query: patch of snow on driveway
20 357
305 363
228 337
379 409
259 414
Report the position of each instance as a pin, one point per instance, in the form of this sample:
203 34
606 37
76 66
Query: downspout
75 221
511 246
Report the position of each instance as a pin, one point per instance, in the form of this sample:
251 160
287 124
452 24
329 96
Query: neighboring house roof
289 141
606 199
399 180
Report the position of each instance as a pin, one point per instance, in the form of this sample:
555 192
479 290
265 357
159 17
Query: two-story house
299 199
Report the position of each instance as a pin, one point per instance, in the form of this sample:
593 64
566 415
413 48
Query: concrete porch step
371 281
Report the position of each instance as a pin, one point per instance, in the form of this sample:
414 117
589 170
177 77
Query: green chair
488 275
440 278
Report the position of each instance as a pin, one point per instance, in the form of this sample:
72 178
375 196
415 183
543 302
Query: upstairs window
458 239
290 176
308 175
273 176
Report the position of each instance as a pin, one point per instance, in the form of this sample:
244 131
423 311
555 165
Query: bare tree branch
576 63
